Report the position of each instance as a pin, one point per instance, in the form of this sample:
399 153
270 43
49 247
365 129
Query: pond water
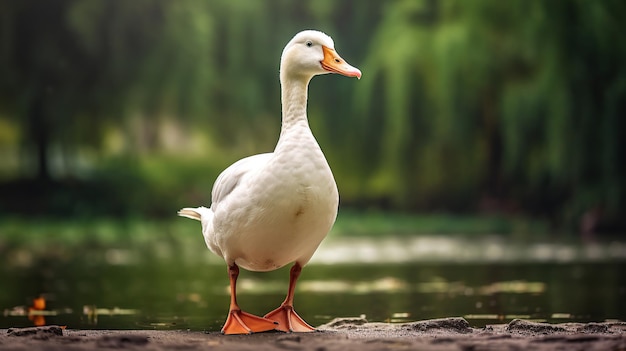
384 280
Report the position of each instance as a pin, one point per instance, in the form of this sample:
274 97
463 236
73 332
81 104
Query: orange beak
332 62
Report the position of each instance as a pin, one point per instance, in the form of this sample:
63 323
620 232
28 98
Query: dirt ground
343 334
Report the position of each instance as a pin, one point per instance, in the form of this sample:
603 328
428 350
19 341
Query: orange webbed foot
288 320
239 322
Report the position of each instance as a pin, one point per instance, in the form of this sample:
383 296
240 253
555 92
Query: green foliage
516 104
509 99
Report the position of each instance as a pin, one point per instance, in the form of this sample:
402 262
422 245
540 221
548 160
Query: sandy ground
343 334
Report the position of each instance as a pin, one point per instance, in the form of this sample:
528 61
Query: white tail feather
190 213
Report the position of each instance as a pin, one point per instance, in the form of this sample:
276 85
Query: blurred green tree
516 100
463 106
70 68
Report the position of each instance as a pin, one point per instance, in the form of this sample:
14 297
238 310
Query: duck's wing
228 180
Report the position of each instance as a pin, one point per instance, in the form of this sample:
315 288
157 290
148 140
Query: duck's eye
309 43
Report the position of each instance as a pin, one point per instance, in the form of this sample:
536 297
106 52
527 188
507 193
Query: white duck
271 209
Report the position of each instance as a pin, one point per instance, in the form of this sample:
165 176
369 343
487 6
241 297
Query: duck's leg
238 321
288 320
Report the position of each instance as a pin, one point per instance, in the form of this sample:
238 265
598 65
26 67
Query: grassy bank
41 232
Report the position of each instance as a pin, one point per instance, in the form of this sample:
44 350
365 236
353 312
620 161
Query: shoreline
343 334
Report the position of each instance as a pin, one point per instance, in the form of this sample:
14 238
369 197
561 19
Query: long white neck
294 92
295 125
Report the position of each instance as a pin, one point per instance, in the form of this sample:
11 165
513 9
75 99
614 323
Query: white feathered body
272 209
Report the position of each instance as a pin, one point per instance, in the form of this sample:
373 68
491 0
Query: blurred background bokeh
472 117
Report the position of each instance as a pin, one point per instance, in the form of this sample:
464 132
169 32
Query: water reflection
386 284
91 312
36 313
494 249
415 278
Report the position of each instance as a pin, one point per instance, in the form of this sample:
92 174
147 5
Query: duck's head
310 53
